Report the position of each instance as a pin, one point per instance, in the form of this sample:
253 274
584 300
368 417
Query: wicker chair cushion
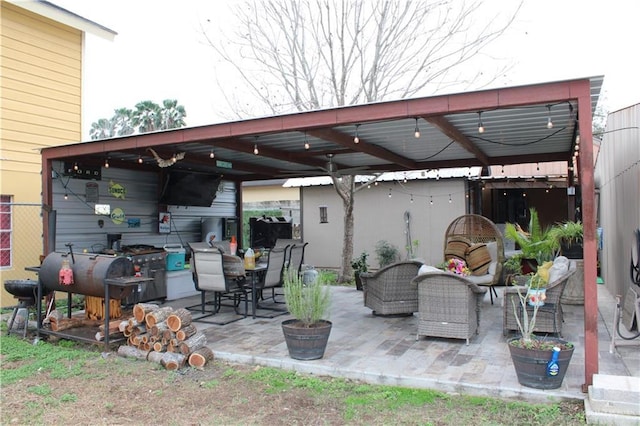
457 247
560 267
478 259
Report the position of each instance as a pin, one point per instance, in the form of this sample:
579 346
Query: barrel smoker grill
89 272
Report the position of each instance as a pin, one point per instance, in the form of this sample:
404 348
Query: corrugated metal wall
618 181
78 224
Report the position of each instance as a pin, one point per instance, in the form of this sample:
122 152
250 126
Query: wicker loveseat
389 291
549 318
449 305
474 238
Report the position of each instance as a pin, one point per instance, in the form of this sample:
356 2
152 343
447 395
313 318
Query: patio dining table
254 275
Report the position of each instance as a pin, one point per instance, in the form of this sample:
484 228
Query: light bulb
450 201
66 196
306 145
75 166
212 155
106 163
140 159
480 125
431 200
416 132
549 123
255 149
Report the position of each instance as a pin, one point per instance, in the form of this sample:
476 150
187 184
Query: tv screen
189 189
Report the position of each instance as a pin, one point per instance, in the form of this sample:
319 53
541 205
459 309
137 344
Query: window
5 231
323 215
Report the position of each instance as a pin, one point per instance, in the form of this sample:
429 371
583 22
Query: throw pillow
456 247
478 259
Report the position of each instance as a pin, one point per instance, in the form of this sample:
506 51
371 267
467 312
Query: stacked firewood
164 335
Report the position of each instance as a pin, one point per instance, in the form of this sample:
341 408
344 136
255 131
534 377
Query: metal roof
514 119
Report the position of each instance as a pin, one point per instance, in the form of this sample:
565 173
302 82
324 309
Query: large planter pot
571 251
358 281
306 343
531 365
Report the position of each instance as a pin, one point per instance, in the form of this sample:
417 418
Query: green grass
62 360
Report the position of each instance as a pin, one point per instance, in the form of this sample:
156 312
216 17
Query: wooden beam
448 129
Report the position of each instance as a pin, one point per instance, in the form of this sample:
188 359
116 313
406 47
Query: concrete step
615 394
613 400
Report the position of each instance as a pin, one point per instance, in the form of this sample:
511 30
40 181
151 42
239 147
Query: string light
450 201
306 141
212 154
431 200
411 198
106 163
538 166
255 149
140 159
75 166
549 122
389 192
356 138
416 132
174 159
480 125
66 196
503 169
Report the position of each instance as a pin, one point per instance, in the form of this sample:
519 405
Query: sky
159 52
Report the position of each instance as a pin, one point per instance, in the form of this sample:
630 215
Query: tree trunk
140 310
186 332
178 319
200 357
346 190
157 316
194 342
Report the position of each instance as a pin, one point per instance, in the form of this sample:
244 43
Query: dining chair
220 274
273 276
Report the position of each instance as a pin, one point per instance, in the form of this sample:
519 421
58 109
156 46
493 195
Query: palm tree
146 116
102 129
122 121
172 115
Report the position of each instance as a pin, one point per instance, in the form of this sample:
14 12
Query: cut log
168 334
140 310
139 329
53 316
145 346
186 332
194 342
159 347
200 357
173 361
123 326
100 334
157 316
178 319
155 357
159 328
67 323
132 352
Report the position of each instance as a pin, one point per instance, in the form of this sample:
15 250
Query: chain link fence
25 245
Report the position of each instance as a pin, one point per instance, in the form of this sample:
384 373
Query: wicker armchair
478 229
549 318
449 305
389 291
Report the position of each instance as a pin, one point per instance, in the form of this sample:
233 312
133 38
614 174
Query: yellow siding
269 193
40 106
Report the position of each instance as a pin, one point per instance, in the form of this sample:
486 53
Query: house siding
40 106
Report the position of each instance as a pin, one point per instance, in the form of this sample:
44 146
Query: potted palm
540 363
568 236
386 253
308 332
359 266
537 244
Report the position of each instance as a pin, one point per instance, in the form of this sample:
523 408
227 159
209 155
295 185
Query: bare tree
309 54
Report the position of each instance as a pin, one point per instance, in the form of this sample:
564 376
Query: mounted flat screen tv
189 188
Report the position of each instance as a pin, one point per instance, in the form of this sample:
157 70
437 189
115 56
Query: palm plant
172 115
102 129
146 116
122 121
537 243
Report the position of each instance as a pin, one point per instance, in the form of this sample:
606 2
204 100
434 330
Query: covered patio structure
526 124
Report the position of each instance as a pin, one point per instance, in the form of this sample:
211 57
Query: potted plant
540 363
307 333
386 253
359 266
537 245
568 236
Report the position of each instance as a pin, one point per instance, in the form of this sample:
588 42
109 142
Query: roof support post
585 164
